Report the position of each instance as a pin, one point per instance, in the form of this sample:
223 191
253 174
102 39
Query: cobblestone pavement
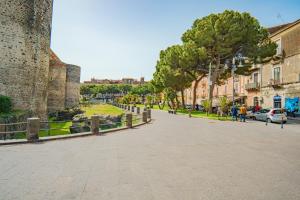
173 158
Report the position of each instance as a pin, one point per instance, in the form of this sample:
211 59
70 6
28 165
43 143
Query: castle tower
72 86
24 53
57 84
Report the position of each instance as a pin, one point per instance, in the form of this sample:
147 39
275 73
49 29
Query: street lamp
238 58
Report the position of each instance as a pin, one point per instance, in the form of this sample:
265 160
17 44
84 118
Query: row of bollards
146 114
33 124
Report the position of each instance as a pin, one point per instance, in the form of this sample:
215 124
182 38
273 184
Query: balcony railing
275 83
252 86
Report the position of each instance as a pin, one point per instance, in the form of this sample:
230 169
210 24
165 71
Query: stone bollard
145 116
138 110
95 124
129 120
33 128
132 108
190 113
149 113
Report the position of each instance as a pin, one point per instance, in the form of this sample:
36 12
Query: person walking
243 112
234 113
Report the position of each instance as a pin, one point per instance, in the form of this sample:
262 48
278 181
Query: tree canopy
220 36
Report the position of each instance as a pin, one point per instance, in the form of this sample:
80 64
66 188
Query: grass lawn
101 109
197 114
204 115
63 128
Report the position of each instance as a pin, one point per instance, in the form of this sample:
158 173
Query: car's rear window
277 111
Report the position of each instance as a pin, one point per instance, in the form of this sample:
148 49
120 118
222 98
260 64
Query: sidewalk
294 119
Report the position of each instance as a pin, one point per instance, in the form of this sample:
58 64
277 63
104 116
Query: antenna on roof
280 18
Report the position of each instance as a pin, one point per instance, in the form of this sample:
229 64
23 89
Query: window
226 89
276 73
299 77
255 77
255 101
278 49
236 87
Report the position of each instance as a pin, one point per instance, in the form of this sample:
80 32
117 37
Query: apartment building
226 89
272 83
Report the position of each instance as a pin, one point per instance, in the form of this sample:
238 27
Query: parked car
271 115
250 113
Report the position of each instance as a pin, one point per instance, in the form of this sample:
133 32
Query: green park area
89 110
62 128
101 109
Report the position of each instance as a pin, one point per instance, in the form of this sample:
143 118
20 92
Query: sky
122 38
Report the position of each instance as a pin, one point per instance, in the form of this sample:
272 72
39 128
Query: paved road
173 158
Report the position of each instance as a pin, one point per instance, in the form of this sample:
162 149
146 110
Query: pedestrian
243 112
234 113
197 107
257 108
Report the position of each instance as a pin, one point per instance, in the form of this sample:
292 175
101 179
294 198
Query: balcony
252 86
275 83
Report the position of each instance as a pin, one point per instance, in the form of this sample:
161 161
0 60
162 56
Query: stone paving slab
172 158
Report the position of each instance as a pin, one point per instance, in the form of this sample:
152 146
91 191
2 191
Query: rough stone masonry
24 55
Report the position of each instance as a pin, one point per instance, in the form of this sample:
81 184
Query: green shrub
5 104
206 104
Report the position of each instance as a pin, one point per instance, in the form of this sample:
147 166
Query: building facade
129 81
226 89
281 76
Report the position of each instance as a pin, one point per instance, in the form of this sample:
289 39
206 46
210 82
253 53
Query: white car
270 115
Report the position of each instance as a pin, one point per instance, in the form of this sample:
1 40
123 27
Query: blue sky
122 38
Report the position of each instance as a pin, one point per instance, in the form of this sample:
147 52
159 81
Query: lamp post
237 58
209 80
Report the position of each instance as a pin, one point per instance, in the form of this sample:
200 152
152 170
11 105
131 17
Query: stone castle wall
72 86
24 58
57 84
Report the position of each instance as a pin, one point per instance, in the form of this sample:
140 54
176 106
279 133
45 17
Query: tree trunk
182 98
172 105
214 78
210 97
195 91
161 106
177 101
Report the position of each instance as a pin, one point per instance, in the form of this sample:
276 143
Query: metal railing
252 86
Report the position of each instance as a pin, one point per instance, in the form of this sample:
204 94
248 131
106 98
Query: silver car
271 115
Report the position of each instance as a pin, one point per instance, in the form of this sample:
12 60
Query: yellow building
280 78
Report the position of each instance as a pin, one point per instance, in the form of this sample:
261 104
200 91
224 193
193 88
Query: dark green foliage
64 115
115 89
5 104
